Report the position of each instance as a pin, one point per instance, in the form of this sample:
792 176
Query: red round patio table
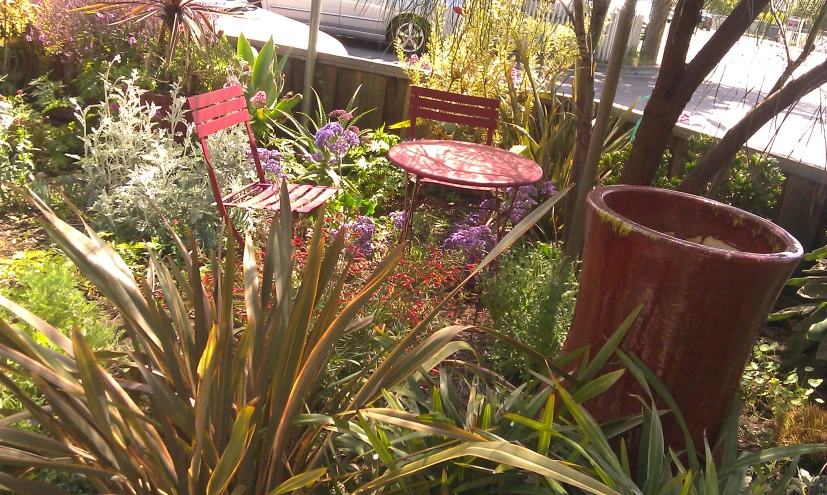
461 164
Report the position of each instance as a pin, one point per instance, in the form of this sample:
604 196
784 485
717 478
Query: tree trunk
677 82
583 92
654 32
601 124
720 157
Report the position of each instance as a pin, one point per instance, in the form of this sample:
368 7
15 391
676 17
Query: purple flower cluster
341 115
362 229
397 218
474 242
270 162
524 202
259 100
475 239
336 139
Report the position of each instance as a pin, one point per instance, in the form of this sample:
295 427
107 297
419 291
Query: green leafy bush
753 182
213 395
16 148
49 286
530 298
263 80
765 387
130 163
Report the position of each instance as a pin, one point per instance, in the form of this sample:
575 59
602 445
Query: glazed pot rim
791 247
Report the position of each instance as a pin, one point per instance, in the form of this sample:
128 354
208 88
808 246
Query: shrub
753 182
130 163
765 387
50 287
74 36
801 424
207 408
18 61
16 148
530 298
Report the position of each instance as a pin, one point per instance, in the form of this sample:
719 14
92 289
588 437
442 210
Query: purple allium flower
259 100
363 230
132 40
341 115
474 242
397 218
547 189
336 139
28 37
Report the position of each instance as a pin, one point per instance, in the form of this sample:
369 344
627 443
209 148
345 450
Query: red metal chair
443 106
453 108
224 108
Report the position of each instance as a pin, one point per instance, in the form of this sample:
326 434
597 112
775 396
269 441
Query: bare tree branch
721 156
809 46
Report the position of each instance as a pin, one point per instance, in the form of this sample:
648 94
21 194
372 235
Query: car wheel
411 33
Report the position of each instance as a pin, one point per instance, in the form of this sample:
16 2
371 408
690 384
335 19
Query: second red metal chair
224 108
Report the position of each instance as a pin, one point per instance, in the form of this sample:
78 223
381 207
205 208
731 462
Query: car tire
412 33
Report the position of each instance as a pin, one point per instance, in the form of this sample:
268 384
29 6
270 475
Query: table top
467 164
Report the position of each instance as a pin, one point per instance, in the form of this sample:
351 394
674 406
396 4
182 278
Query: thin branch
809 46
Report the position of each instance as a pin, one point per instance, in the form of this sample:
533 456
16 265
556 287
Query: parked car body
258 25
705 21
366 19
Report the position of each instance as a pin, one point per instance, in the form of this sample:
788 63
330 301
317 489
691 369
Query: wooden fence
383 87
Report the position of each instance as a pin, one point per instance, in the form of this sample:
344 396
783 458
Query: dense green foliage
530 298
48 285
132 165
753 181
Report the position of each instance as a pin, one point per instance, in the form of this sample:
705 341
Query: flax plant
207 398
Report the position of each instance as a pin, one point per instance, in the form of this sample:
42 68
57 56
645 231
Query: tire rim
411 36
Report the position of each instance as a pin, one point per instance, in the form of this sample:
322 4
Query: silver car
377 20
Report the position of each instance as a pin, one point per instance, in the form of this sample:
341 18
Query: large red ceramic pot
709 275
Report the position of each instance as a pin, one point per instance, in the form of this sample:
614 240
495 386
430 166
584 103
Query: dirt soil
19 231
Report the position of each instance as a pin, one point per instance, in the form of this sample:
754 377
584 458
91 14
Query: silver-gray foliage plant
131 162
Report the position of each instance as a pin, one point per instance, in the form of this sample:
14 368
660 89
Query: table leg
499 227
508 211
410 208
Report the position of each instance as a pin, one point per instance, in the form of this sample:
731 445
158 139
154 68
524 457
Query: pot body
703 305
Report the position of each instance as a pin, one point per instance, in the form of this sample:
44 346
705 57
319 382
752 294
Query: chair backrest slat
456 97
453 108
198 102
218 110
212 126
427 113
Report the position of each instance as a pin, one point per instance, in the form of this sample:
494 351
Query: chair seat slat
325 194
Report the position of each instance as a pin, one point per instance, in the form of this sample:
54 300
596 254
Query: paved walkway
743 78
